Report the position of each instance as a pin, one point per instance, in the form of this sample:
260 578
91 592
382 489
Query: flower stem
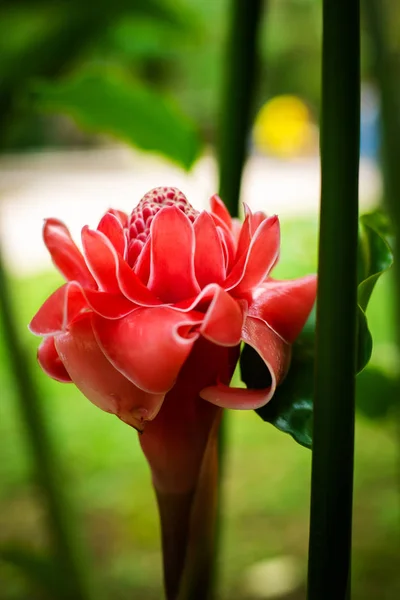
333 446
70 574
237 97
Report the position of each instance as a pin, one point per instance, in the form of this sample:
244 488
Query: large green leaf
108 101
291 408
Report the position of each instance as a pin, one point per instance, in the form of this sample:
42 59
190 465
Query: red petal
285 305
274 351
50 361
219 209
142 267
59 310
253 268
110 306
97 379
112 228
172 275
65 253
244 238
101 259
223 322
148 346
209 255
112 272
120 215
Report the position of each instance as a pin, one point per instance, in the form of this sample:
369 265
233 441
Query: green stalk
236 105
70 575
386 73
237 96
333 446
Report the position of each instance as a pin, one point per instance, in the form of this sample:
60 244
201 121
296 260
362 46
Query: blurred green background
150 72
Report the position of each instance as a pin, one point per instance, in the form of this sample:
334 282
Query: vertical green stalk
70 576
236 104
237 96
386 73
333 447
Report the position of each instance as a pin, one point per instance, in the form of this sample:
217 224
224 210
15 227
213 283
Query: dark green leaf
110 102
40 571
291 408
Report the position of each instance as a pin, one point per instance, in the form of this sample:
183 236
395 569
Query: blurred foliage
291 408
106 101
173 47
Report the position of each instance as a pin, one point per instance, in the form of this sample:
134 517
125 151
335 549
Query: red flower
149 323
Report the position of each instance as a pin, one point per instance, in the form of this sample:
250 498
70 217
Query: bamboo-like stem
236 104
70 575
333 438
237 96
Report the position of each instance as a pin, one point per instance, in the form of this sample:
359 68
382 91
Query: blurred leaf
40 571
376 392
291 408
108 101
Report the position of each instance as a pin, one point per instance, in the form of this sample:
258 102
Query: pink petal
223 322
209 256
97 379
274 351
112 272
101 258
111 227
220 210
253 268
142 267
172 276
285 305
120 215
148 346
110 306
59 310
244 238
50 361
65 253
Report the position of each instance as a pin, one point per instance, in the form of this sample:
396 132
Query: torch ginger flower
150 321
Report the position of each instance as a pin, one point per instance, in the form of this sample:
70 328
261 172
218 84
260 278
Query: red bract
149 323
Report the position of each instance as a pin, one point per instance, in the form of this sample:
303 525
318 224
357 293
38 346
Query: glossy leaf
291 408
108 101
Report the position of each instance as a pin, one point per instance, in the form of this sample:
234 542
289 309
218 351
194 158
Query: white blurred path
79 186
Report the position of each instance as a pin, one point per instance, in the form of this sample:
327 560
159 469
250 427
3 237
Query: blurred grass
267 475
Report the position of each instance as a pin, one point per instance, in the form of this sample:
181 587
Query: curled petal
252 268
59 310
285 305
112 228
97 379
110 306
142 267
219 209
149 346
172 276
120 215
65 253
50 361
209 254
223 322
274 351
112 272
101 259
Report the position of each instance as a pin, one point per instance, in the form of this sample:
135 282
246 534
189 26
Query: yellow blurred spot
283 127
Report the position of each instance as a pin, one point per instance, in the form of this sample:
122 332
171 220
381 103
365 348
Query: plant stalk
73 585
334 393
237 97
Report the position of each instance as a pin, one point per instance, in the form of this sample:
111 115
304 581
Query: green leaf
108 101
291 408
41 571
